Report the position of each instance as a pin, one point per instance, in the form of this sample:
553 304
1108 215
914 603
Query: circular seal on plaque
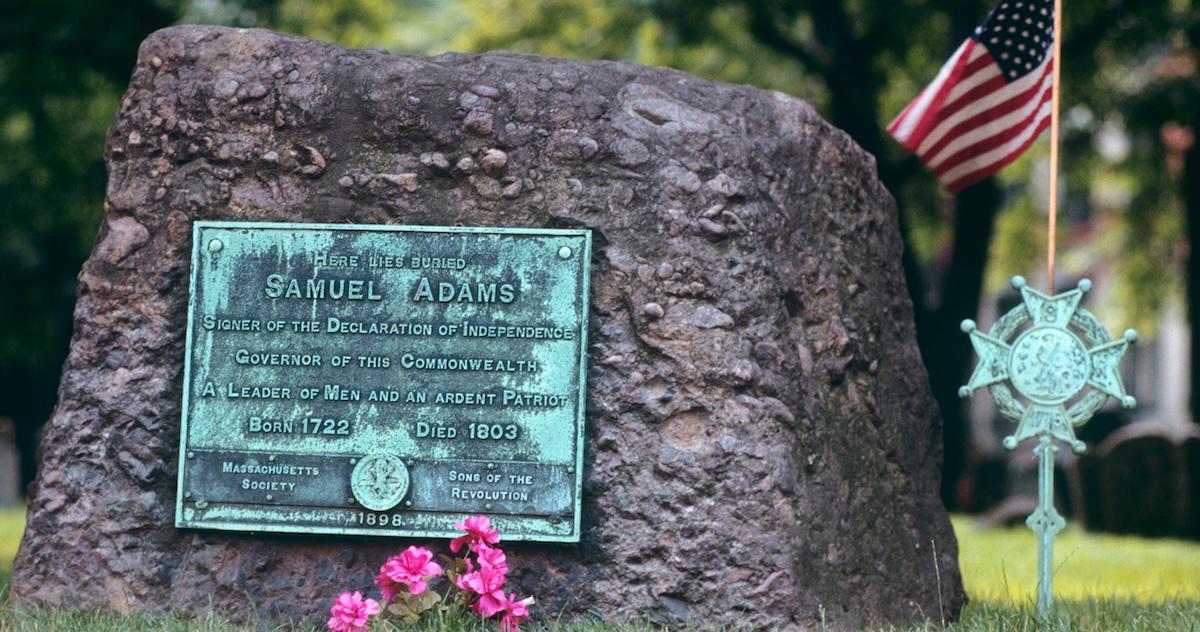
379 481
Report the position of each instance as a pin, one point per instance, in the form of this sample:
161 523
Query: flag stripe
991 167
906 124
980 61
992 142
938 91
993 120
992 101
894 126
947 106
973 59
990 158
989 75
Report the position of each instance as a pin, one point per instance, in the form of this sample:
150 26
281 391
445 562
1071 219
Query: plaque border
580 417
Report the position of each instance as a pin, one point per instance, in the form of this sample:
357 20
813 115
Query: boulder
762 446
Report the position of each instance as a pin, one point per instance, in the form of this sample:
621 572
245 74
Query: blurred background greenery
1131 108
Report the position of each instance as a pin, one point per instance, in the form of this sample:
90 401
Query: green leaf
404 612
428 599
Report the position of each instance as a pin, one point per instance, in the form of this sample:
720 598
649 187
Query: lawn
1103 584
1000 565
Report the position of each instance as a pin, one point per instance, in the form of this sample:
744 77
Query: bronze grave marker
384 380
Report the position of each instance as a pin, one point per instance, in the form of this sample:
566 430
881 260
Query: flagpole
1052 231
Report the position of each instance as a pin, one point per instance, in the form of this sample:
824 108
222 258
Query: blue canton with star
1018 35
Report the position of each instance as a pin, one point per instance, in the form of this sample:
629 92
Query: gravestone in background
761 446
1142 480
1138 476
1191 455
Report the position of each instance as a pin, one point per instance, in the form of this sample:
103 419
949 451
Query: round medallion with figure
1049 365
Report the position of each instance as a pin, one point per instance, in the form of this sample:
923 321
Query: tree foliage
860 62
63 67
1131 95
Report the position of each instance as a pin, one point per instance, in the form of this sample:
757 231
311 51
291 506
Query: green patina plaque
384 380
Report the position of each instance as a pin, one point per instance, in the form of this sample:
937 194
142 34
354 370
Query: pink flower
488 583
478 530
492 557
350 612
490 603
461 580
515 613
410 568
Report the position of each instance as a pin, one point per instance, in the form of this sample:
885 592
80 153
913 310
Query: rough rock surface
762 446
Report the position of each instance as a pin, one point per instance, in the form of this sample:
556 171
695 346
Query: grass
1102 584
1000 565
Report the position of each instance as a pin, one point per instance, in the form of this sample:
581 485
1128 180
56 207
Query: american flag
990 101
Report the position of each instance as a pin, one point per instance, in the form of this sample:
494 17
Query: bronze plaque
384 380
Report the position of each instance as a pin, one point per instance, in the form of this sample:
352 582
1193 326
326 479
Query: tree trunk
1191 201
27 401
945 349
